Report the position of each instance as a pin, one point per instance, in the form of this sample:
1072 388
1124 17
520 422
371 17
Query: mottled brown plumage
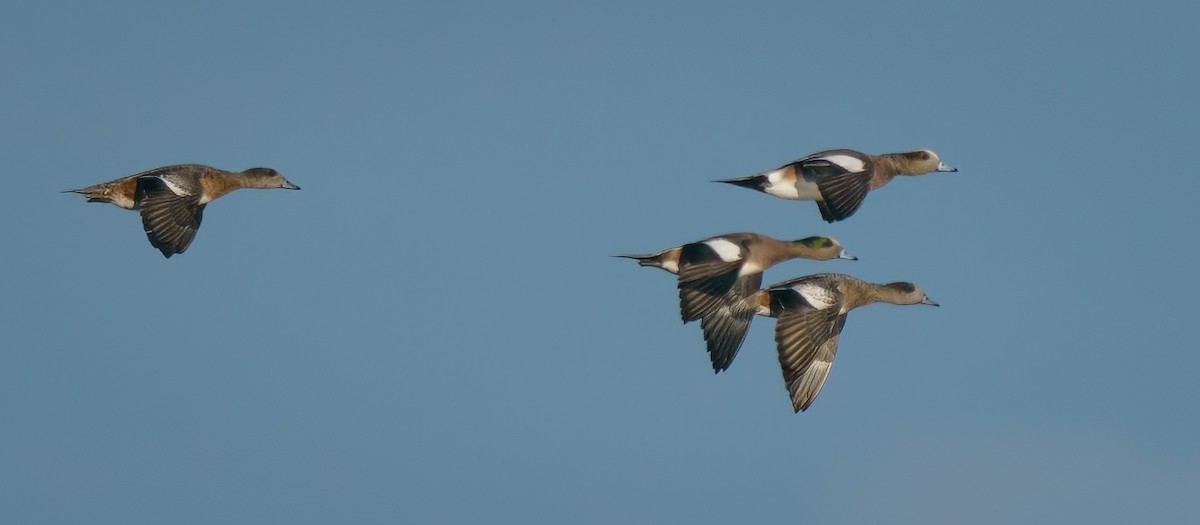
172 198
811 312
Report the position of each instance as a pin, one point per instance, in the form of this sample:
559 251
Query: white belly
800 191
122 201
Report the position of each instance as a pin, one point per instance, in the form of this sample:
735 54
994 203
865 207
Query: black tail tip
753 182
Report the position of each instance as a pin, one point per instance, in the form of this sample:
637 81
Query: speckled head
266 178
906 293
919 162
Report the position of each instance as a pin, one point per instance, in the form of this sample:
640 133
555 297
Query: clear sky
432 331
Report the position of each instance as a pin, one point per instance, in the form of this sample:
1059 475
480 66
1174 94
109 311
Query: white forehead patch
846 162
817 296
726 250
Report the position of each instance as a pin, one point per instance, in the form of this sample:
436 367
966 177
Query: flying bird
717 275
171 199
810 313
839 179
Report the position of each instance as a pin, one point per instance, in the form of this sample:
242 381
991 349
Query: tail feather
92 193
120 193
642 259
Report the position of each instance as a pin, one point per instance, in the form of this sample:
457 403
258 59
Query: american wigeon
811 312
172 198
839 179
717 274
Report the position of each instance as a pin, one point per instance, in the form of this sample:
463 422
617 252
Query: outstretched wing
843 178
725 325
708 271
169 216
807 342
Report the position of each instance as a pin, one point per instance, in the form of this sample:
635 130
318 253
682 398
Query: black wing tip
722 356
830 215
798 408
720 363
165 248
169 250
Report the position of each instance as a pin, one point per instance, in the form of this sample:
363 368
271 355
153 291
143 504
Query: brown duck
839 179
811 312
172 198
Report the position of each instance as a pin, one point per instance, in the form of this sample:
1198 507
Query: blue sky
432 330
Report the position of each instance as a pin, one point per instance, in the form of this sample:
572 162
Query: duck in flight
718 274
839 179
171 199
810 313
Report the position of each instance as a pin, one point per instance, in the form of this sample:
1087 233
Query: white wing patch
174 189
817 296
846 162
726 250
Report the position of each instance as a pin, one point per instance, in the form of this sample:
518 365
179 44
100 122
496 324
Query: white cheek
817 296
671 266
726 250
846 162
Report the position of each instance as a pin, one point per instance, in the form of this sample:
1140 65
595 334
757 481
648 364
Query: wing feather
170 220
